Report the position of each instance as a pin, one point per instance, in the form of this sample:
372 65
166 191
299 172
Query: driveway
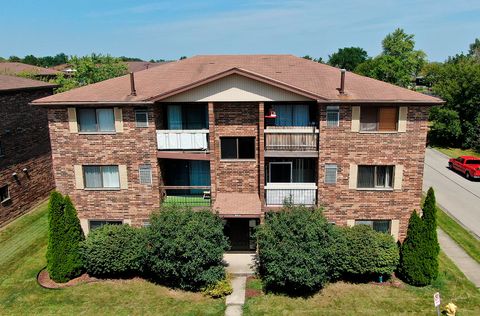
457 195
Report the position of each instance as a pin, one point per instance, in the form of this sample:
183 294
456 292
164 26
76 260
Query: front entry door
240 233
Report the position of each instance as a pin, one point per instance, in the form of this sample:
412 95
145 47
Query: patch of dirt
393 282
252 292
44 280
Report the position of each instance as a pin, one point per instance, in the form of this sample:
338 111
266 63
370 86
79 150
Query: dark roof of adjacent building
10 83
14 68
134 66
304 77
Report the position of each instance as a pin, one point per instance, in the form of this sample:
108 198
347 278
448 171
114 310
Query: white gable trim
236 88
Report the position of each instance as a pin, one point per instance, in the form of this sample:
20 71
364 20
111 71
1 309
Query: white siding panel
235 88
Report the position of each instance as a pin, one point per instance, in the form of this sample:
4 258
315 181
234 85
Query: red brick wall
25 140
341 146
236 119
133 147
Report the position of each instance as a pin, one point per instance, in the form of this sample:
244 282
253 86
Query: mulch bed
252 292
44 280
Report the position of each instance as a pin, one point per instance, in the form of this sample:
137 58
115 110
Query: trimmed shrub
220 289
114 251
368 253
419 251
295 252
185 248
64 235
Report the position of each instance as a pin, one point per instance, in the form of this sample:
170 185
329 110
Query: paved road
457 195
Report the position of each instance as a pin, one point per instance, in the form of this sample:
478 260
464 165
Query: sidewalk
462 260
240 265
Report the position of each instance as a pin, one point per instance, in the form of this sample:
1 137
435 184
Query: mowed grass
22 255
457 152
369 299
460 235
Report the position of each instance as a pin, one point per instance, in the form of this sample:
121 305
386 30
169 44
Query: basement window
382 226
237 147
4 194
378 118
94 224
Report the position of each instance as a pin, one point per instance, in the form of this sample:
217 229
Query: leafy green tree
419 252
398 63
318 60
30 59
348 58
474 50
64 237
446 127
91 69
14 59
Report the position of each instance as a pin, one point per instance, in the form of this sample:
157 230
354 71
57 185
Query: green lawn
22 255
369 299
464 239
456 152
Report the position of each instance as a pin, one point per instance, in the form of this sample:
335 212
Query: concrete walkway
462 260
239 265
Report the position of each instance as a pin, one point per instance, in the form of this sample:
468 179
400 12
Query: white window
330 173
375 177
4 194
96 120
377 225
145 174
94 224
98 177
333 115
141 118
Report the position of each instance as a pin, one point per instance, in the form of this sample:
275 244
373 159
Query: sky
169 29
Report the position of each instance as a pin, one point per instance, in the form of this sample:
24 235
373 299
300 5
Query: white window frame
97 125
145 167
144 112
279 163
333 109
375 186
331 166
8 194
101 176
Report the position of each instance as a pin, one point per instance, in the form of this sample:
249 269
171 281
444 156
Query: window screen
378 118
333 116
145 174
141 118
96 120
330 173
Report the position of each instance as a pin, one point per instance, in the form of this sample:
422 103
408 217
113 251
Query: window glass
141 118
97 224
330 173
106 120
333 116
281 172
366 177
87 120
228 148
375 177
4 194
368 118
246 148
101 176
145 174
292 115
387 118
473 162
382 226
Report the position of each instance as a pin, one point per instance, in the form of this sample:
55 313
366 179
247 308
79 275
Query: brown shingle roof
8 83
134 66
315 80
237 204
13 68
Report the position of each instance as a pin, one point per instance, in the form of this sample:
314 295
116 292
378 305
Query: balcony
297 193
194 139
192 196
291 139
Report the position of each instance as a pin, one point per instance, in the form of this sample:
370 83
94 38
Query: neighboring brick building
241 134
25 157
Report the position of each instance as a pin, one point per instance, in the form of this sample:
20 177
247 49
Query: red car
468 165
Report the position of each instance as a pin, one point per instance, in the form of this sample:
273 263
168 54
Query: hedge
114 251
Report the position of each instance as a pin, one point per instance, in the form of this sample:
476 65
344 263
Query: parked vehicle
469 166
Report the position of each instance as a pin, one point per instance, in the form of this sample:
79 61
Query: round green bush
295 250
114 251
368 253
185 248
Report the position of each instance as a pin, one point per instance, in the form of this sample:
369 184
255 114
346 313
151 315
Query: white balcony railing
298 193
182 139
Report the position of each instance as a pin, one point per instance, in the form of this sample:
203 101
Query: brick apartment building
25 158
241 134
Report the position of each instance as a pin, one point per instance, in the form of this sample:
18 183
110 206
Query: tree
446 127
457 81
419 252
14 59
348 58
64 236
318 60
474 50
399 63
31 60
91 69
